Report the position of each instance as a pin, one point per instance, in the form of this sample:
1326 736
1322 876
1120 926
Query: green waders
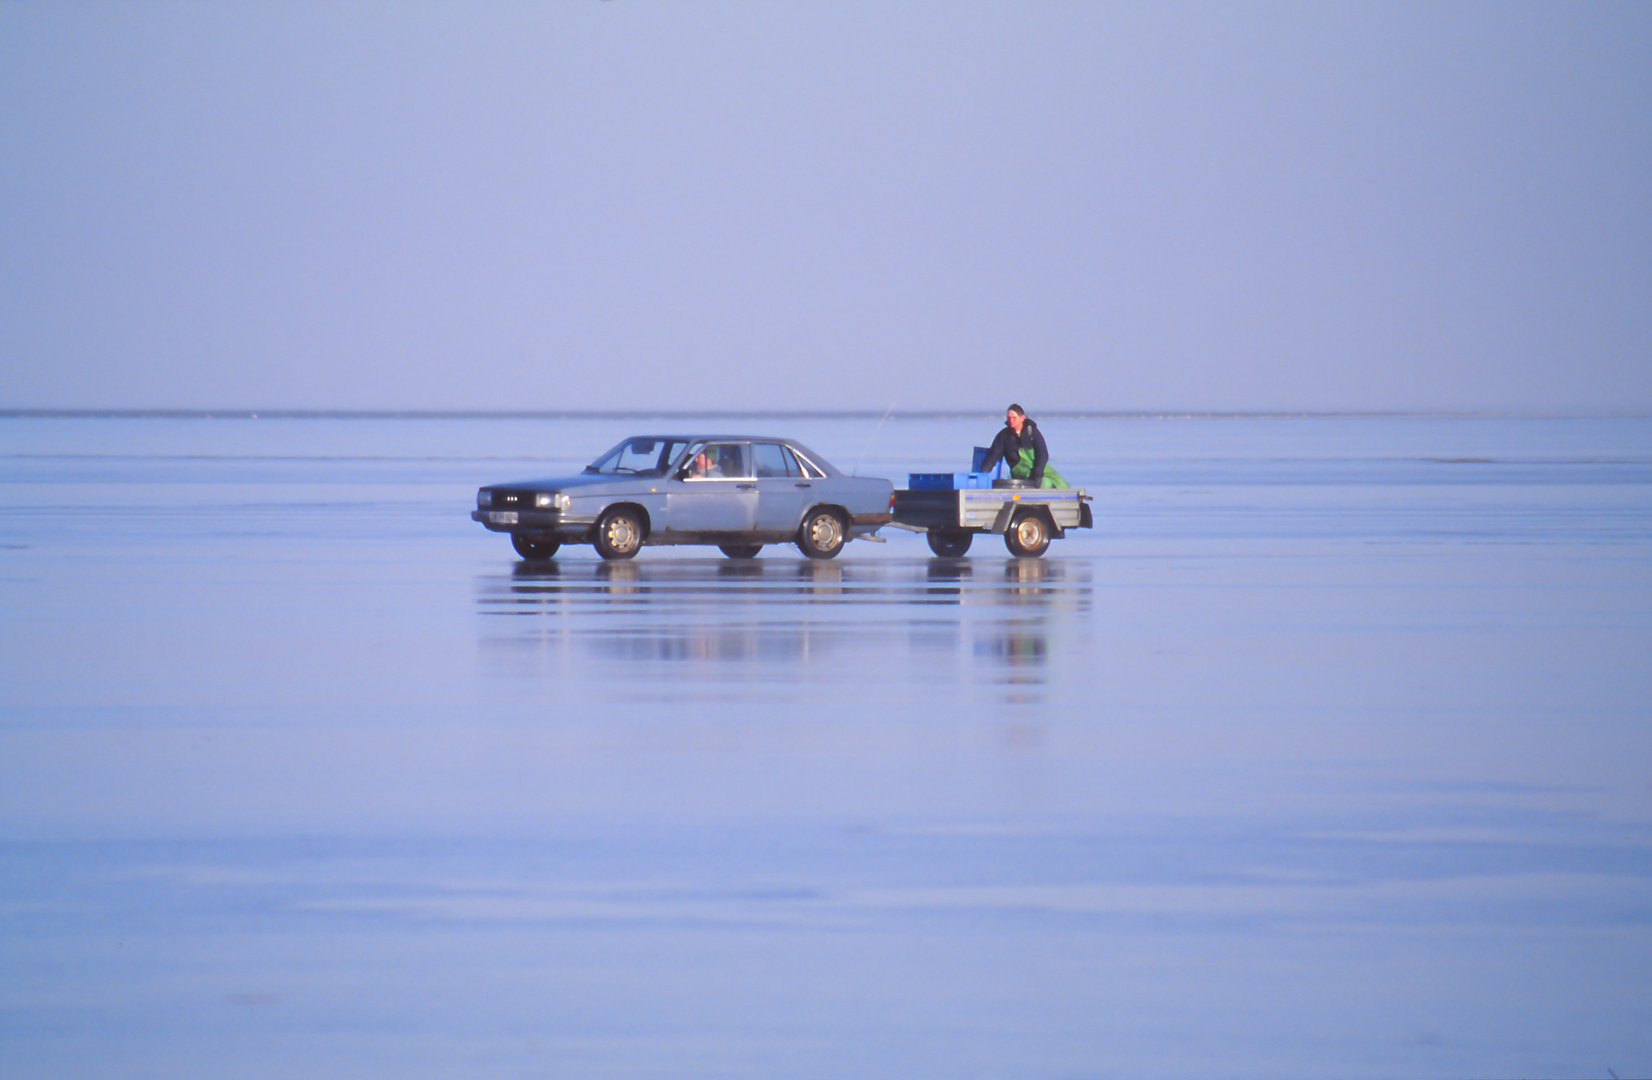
1022 470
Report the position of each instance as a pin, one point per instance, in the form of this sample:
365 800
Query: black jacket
1008 446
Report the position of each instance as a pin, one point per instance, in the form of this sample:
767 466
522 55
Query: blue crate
947 481
954 481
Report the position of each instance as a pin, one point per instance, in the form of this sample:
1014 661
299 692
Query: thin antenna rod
856 470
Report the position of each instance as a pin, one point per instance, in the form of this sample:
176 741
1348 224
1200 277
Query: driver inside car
706 466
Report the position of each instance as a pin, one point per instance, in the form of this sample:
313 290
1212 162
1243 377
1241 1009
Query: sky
628 205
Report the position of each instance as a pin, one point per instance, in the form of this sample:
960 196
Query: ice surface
1326 753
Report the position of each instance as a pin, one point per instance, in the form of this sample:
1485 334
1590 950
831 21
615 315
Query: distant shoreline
820 414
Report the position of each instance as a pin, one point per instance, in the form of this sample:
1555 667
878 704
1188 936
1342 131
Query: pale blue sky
789 206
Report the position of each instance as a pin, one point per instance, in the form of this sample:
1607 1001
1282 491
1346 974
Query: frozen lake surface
1327 753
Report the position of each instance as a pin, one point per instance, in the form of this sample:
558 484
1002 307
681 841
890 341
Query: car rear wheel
1028 536
534 548
619 535
822 534
741 551
949 543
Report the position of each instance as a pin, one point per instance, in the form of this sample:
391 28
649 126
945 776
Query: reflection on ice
734 580
980 622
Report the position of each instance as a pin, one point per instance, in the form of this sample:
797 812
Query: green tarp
1022 470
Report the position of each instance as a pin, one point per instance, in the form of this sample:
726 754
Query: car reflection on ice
997 628
738 492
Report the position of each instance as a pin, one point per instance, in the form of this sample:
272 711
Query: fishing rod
856 470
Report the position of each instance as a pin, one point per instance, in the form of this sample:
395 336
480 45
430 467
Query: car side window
773 460
720 461
736 459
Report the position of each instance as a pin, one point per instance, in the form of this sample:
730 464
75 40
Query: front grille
512 500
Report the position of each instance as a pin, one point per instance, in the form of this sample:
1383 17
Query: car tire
618 535
740 551
534 549
1028 536
948 543
822 534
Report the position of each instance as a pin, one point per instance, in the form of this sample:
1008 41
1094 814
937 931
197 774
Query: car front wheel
534 548
619 535
822 534
1028 535
741 551
949 544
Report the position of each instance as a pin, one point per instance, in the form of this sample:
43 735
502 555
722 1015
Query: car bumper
524 520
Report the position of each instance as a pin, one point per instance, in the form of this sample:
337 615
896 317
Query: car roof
719 438
830 469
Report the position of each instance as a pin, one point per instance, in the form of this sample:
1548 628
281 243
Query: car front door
783 492
714 492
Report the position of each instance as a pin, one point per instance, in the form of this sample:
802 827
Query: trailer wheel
534 549
741 551
1027 536
948 543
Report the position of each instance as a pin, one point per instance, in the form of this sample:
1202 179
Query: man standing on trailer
1021 445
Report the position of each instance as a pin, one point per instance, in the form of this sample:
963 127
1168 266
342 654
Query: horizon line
818 414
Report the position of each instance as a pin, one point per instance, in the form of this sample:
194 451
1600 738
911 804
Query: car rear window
775 460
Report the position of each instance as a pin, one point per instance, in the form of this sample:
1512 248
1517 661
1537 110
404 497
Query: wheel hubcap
824 531
1029 532
622 536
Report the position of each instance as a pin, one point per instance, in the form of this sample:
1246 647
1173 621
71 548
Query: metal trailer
1027 518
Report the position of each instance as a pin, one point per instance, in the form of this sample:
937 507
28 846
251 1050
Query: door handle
805 485
746 487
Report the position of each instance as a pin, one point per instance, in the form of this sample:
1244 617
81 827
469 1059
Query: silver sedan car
736 491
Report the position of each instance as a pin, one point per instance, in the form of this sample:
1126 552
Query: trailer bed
1028 518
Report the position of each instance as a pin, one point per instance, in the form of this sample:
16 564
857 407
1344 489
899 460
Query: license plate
502 517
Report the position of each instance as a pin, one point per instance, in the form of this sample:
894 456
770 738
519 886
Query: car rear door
783 491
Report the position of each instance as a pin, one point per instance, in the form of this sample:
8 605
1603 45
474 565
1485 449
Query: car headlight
552 500
484 499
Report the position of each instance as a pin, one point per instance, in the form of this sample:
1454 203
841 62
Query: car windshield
642 456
